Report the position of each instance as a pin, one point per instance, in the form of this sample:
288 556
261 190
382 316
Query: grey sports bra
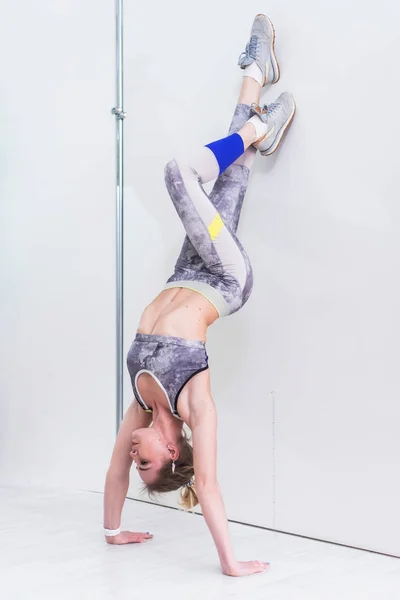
171 361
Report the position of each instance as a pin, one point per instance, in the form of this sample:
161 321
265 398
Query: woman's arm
203 423
117 480
204 437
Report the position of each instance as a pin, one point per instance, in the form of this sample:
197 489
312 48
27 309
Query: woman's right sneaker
261 50
277 116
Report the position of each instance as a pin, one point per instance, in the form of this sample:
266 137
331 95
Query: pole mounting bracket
119 113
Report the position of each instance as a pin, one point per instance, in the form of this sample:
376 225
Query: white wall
319 338
57 242
321 224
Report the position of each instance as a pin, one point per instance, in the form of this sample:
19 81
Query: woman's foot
241 569
260 52
278 117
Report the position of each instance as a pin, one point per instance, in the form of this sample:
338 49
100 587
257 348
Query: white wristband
111 532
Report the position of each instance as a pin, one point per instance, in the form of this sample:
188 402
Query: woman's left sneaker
278 117
261 50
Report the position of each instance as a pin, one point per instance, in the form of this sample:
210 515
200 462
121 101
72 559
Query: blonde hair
181 479
189 497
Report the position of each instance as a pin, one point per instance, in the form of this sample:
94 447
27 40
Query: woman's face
150 453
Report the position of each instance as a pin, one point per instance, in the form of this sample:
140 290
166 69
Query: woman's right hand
240 569
128 537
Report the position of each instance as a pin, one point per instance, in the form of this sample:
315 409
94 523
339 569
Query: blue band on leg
227 150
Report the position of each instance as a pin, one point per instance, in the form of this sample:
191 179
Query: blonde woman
168 362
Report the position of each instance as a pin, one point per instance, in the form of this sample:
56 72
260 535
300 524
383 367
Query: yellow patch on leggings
215 226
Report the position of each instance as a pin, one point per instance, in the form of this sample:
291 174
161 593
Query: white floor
51 547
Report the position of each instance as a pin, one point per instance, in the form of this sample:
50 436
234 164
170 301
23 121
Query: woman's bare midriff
178 312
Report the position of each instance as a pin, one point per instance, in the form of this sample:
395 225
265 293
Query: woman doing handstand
167 361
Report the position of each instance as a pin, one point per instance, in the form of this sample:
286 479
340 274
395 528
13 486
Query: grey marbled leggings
212 260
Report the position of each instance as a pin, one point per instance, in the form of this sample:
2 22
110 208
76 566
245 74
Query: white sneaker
277 116
261 50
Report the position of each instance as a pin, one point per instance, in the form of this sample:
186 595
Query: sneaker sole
274 60
280 135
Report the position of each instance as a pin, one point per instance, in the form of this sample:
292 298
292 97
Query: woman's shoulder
195 399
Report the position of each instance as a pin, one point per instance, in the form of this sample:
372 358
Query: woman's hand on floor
128 537
240 569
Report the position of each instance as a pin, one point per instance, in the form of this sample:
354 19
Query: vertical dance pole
118 111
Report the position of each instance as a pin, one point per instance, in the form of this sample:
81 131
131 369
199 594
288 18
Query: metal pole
120 116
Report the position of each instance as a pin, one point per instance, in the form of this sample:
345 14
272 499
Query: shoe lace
252 48
271 108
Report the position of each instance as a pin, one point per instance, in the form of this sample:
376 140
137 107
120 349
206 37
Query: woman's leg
249 95
230 187
218 247
198 257
214 240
